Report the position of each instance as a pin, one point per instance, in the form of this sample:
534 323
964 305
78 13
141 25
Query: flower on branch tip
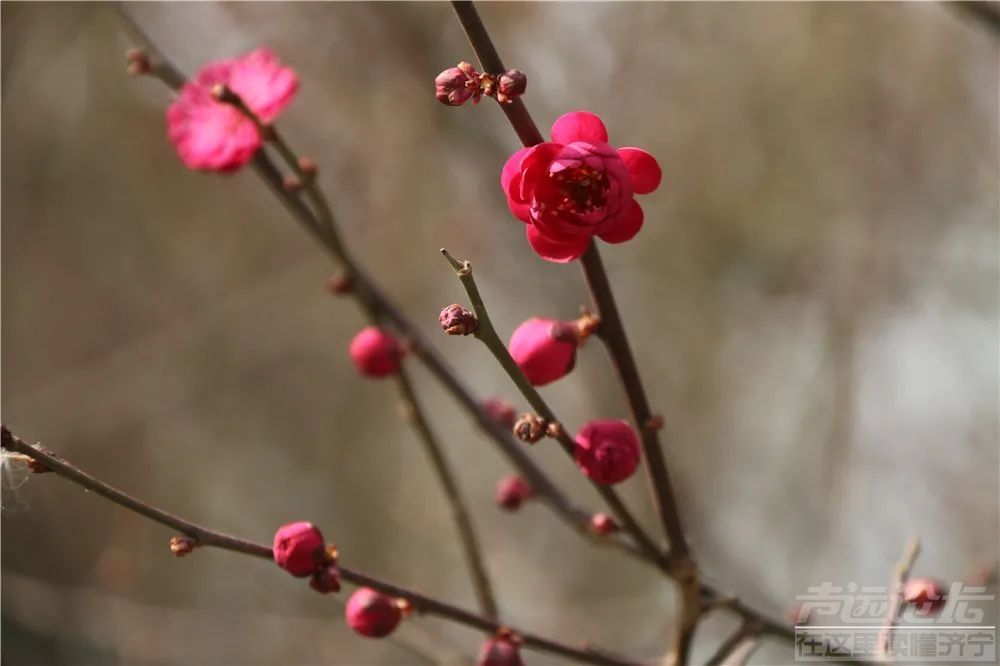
544 349
512 491
577 186
500 651
456 320
299 549
607 451
925 593
372 613
211 135
376 353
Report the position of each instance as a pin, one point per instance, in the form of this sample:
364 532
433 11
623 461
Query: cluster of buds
373 614
457 85
300 550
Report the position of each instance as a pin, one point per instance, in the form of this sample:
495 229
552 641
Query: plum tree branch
210 538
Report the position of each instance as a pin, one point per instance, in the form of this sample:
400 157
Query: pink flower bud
376 353
511 84
456 320
544 349
372 614
500 411
182 545
499 652
925 593
326 579
603 524
455 85
607 451
299 548
512 491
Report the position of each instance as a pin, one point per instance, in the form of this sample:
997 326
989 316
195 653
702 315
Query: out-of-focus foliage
813 301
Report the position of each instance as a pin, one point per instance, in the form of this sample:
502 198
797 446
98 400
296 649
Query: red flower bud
607 451
456 320
376 353
603 524
182 545
299 548
455 85
371 613
326 579
500 411
512 491
499 652
925 592
511 84
544 349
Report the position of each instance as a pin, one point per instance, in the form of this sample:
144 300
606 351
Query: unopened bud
511 84
137 62
292 183
456 320
326 579
308 166
340 284
603 524
182 545
456 85
529 428
500 411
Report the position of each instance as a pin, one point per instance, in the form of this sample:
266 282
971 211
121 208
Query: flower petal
579 126
643 168
511 168
555 251
628 225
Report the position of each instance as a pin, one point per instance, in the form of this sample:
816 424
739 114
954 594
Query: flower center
584 189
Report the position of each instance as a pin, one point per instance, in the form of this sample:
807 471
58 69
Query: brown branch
206 537
371 297
736 650
486 333
612 332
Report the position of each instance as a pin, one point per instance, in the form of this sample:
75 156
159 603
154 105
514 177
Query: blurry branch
736 650
371 297
487 334
206 537
986 14
900 573
446 477
114 622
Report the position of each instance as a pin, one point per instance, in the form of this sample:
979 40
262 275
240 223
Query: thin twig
446 477
486 333
900 573
206 537
736 650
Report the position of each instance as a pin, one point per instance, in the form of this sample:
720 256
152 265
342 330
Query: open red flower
212 136
577 186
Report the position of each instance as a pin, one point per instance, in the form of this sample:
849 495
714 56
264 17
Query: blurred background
813 302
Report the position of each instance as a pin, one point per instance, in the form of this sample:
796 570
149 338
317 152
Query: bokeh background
813 301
